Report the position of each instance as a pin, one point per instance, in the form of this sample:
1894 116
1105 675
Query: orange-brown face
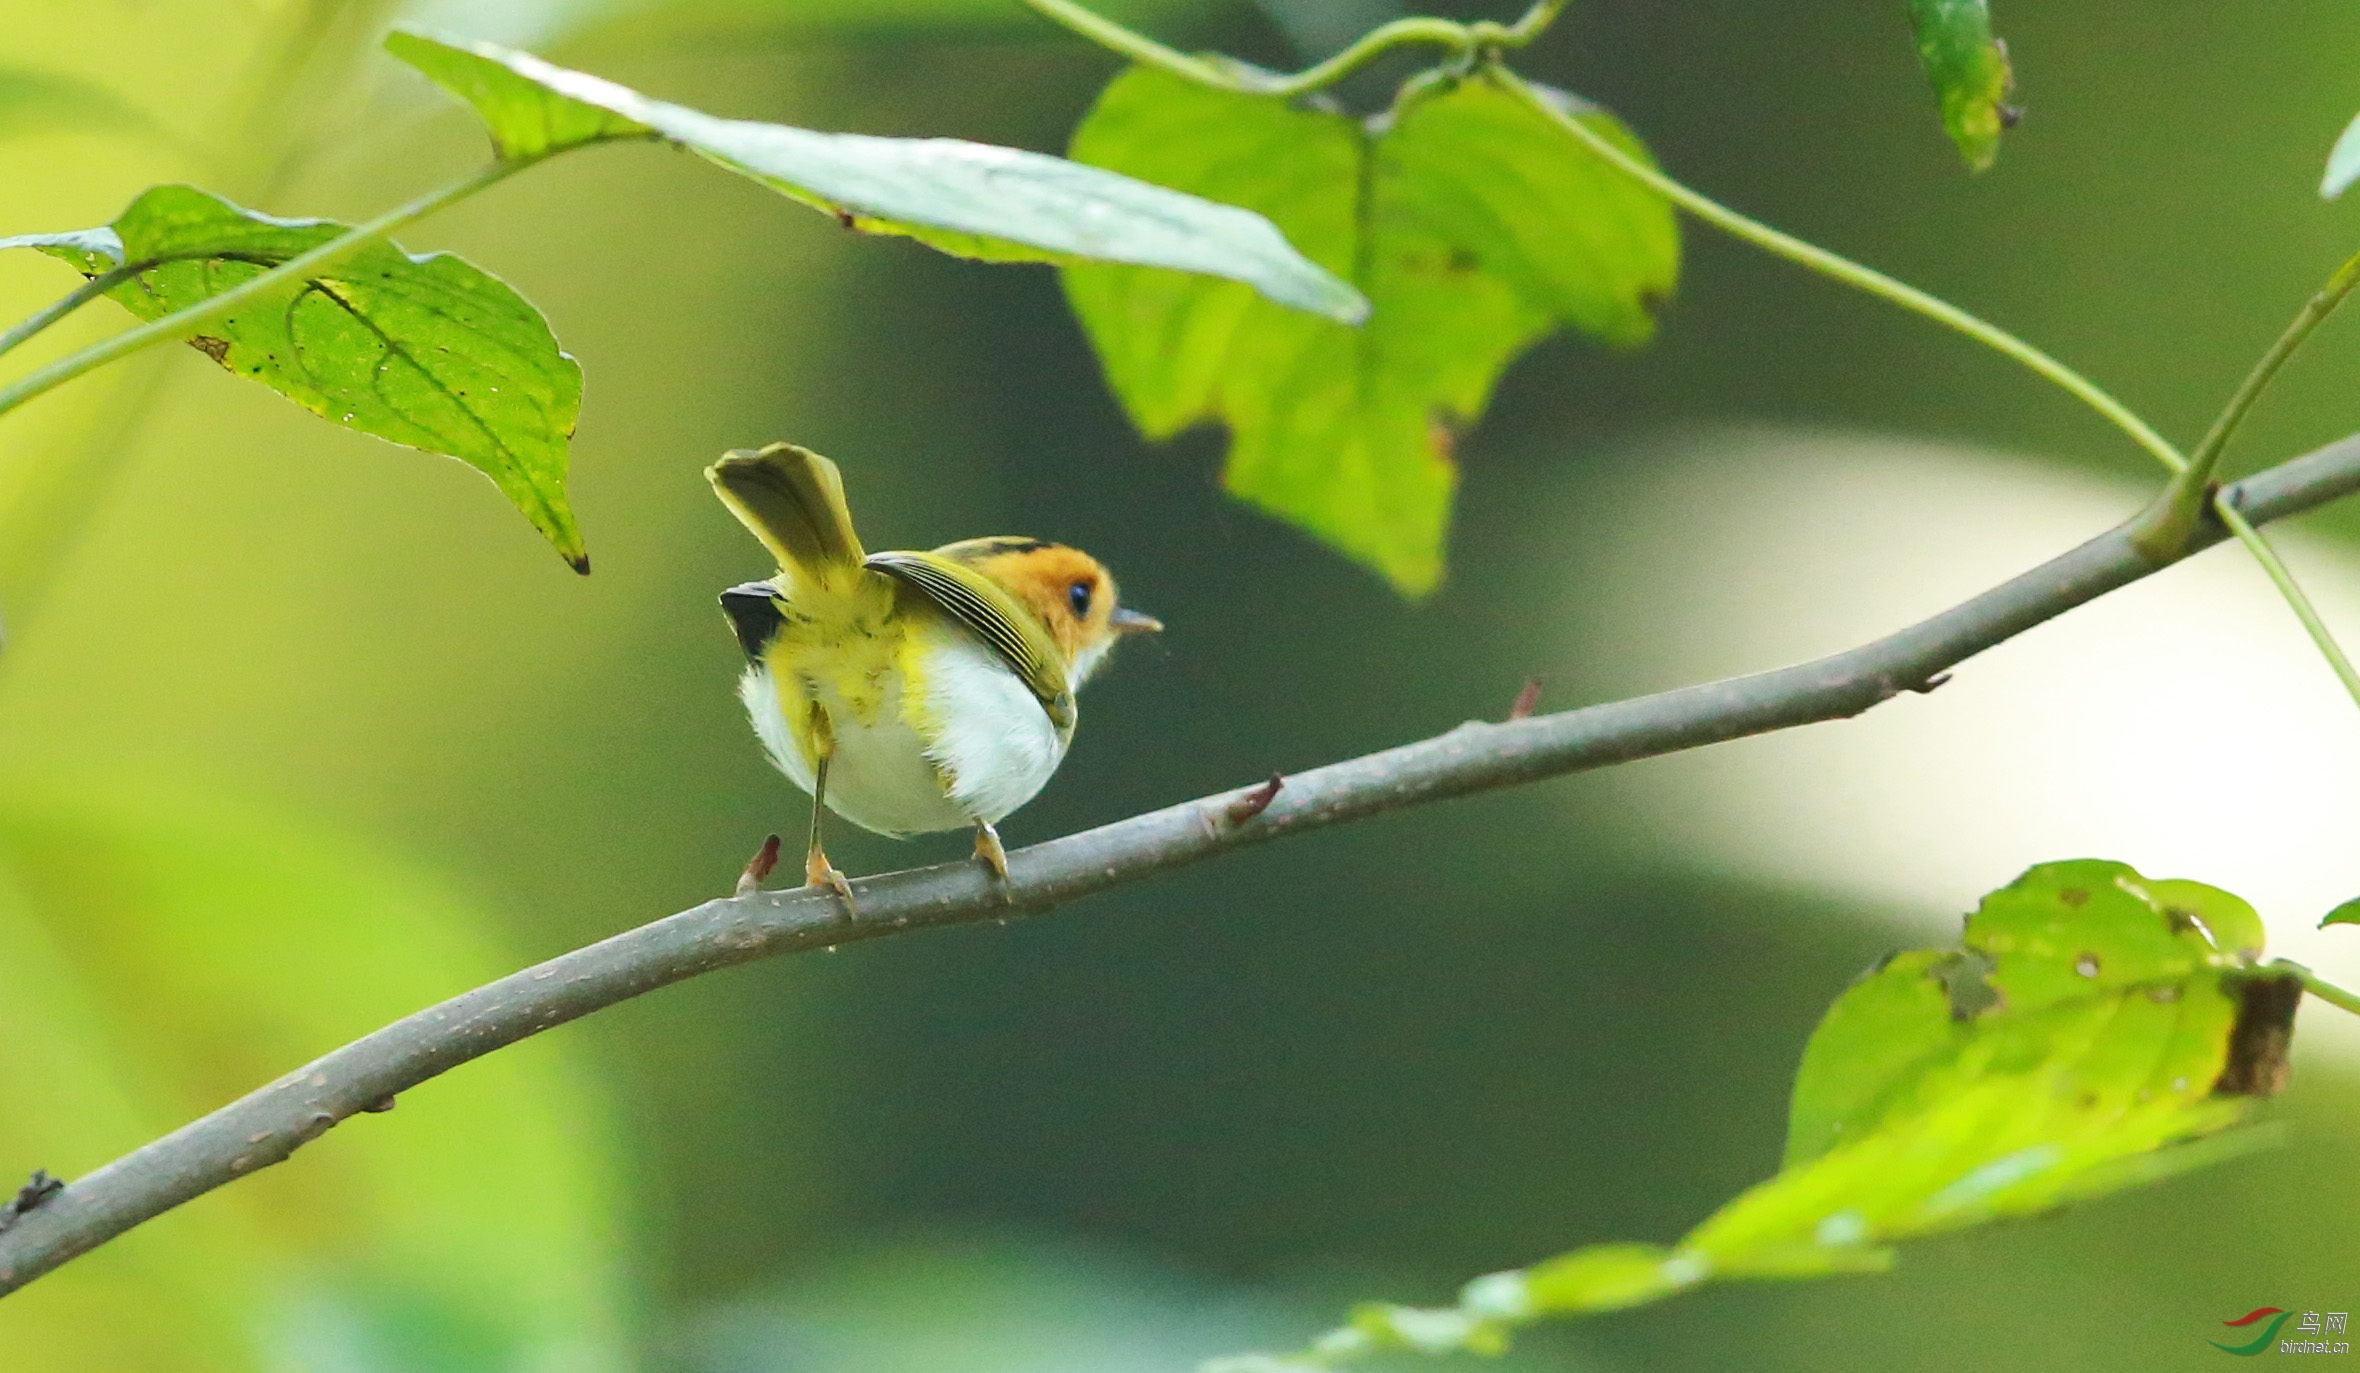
1070 591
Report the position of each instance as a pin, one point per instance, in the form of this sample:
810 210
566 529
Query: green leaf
1475 227
969 199
2097 1030
162 952
2345 914
2230 926
2085 1023
1892 1021
526 105
2064 930
427 350
2022 1111
1970 72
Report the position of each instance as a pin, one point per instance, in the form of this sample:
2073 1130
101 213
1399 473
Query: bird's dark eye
1079 597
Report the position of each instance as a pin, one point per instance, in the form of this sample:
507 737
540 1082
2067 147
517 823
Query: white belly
994 747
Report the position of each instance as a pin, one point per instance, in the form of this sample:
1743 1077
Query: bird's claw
995 857
819 872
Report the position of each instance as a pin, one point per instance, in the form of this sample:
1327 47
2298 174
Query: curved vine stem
2315 311
1465 40
2343 998
1483 39
2289 589
2163 530
65 305
2171 518
1845 270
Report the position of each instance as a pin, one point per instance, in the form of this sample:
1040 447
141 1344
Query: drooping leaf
2096 1030
969 199
161 952
1475 227
1970 72
2345 914
428 351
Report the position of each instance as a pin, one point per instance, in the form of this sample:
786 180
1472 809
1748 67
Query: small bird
908 692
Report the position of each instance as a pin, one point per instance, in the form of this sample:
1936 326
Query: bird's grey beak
1129 621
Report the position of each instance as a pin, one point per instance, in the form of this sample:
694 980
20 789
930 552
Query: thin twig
1229 74
90 290
1480 40
1843 269
266 1126
2162 531
2282 577
2343 998
2171 516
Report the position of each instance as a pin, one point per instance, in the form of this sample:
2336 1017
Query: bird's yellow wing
995 617
793 500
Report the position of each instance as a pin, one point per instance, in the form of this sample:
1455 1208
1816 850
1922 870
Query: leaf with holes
427 350
1474 225
2096 1030
968 199
1970 72
2093 1027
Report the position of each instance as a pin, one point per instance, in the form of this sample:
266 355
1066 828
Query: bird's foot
819 872
987 848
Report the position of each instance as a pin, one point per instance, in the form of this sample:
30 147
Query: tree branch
267 1125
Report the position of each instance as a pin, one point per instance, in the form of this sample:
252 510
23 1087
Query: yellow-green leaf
428 351
1475 227
969 199
2097 1030
1891 1021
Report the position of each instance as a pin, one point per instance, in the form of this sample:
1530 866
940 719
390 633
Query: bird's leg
817 870
987 848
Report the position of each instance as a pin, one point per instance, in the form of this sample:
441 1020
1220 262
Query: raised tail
793 500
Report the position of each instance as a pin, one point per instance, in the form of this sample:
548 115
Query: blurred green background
300 731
